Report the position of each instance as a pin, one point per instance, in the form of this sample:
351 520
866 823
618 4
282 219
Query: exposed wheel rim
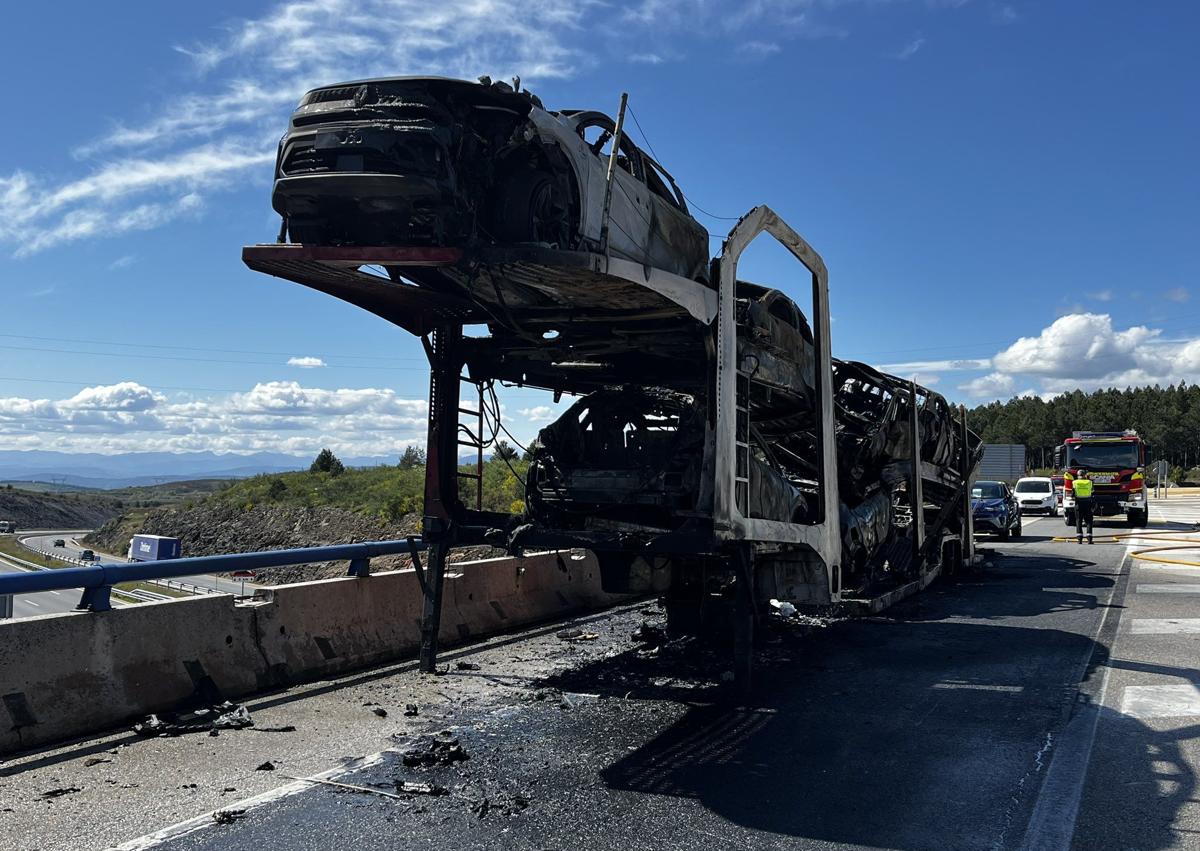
547 213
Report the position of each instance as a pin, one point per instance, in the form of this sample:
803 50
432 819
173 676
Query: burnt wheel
532 207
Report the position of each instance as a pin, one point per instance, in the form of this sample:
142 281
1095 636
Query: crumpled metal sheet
223 716
865 527
772 497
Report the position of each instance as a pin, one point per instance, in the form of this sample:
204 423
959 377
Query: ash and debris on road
210 719
459 744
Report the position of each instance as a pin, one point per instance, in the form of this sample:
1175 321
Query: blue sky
1005 194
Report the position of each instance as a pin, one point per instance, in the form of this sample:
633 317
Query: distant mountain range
91 470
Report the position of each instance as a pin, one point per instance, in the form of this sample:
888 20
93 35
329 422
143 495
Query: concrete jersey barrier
67 675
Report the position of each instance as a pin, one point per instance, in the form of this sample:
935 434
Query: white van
1036 493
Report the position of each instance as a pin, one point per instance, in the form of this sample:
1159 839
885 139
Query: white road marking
56 593
1164 626
1168 588
30 602
1052 822
205 820
979 687
1173 701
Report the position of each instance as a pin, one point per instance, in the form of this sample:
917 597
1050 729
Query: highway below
72 548
1050 701
46 603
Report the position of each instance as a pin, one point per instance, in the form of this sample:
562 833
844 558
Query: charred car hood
391 91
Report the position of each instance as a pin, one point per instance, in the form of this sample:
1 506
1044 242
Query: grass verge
10 546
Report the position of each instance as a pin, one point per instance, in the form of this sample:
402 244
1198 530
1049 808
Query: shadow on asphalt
916 730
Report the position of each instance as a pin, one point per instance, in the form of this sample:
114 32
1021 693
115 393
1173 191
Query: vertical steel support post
441 442
442 503
606 211
917 494
431 616
6 606
744 616
968 522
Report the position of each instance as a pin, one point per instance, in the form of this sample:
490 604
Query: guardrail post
6 606
95 599
359 567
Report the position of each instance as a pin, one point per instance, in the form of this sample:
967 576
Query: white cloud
760 49
924 366
992 386
538 414
126 396
646 58
1178 294
306 362
279 416
122 262
1081 345
1101 295
1004 14
911 48
1084 351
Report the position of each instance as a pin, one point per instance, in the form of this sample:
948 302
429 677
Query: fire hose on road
1150 553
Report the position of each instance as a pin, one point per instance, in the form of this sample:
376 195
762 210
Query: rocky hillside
32 510
216 527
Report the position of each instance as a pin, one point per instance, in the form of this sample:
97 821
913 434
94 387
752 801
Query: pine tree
412 458
327 462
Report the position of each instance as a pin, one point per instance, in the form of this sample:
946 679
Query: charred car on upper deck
431 161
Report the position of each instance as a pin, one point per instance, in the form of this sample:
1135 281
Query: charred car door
630 210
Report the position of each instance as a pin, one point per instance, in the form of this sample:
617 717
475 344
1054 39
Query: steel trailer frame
739 539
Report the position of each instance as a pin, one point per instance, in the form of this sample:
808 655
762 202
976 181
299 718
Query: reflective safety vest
1083 488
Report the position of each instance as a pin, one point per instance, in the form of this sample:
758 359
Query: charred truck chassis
719 455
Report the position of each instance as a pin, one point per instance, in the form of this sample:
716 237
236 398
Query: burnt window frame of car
661 183
584 118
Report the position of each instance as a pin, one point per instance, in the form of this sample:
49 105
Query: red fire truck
1116 462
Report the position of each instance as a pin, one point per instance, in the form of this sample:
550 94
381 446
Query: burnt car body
621 469
429 161
633 454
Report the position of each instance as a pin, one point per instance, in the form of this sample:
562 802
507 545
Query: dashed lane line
1052 822
1167 701
1164 626
1168 588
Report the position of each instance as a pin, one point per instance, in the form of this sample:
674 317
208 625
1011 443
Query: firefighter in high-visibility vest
1084 504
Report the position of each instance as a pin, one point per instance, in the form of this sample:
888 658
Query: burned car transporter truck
716 455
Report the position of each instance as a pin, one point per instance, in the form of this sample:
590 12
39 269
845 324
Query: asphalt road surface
1051 701
46 603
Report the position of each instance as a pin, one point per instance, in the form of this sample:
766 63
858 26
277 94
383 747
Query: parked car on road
1036 493
59 542
87 555
995 509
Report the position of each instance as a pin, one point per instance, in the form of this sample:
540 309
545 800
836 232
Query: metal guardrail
20 562
97 580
